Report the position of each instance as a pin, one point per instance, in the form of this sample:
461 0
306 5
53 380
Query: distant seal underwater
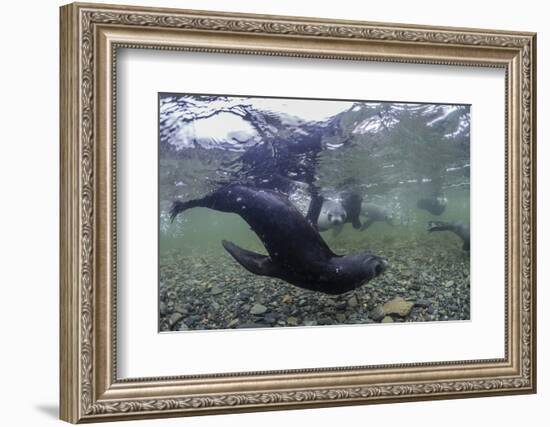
350 209
457 228
374 214
435 204
332 214
297 252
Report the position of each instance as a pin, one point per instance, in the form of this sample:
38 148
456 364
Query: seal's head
360 268
336 218
332 214
373 266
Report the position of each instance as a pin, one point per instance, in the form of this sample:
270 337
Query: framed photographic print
266 212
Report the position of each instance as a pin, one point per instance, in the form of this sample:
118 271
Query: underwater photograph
291 212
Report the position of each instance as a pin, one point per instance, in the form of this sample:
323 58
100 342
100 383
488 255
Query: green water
201 230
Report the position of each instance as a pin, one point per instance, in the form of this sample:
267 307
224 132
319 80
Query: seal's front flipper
314 209
253 262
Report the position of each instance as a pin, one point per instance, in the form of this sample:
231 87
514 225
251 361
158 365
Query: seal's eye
378 269
330 217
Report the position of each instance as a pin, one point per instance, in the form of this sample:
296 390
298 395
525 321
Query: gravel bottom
212 291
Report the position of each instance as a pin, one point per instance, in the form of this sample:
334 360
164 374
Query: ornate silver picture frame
92 37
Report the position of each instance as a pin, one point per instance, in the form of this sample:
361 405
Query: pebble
270 318
180 309
377 313
192 320
292 321
398 306
216 290
175 318
330 302
325 320
387 319
258 309
244 296
341 305
422 303
352 302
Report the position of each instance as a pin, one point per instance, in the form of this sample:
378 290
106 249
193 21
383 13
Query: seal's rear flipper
253 262
178 207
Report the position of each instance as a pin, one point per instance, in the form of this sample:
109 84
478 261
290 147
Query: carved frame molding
90 36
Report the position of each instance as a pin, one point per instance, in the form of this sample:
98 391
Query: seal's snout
336 219
381 266
375 266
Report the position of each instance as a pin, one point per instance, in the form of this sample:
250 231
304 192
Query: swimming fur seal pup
373 213
435 204
458 228
332 215
297 253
